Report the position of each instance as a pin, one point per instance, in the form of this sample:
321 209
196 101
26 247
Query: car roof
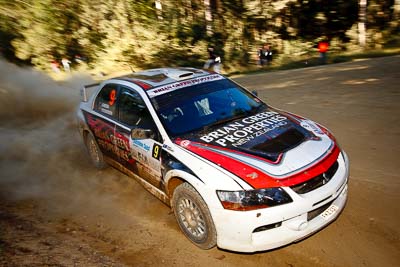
152 78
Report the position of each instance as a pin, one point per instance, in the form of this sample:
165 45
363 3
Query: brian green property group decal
240 132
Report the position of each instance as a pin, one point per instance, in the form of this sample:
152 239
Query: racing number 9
156 151
113 97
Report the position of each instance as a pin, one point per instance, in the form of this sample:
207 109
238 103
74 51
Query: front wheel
193 216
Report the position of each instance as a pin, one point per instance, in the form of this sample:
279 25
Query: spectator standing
214 61
323 47
268 54
65 62
265 55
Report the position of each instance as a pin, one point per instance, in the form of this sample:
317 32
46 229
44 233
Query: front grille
317 181
314 213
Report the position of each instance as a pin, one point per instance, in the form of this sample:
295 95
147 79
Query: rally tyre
193 216
94 152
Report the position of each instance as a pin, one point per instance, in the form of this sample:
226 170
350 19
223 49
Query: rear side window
106 101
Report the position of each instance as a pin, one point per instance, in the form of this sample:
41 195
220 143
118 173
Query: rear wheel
193 216
94 152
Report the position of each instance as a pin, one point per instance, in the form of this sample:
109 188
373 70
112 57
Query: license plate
329 212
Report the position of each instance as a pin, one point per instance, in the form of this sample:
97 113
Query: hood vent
281 143
179 75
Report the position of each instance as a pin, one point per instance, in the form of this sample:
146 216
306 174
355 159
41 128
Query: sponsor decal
141 145
252 175
185 143
106 111
105 108
117 144
167 147
105 105
311 126
142 158
143 154
245 130
179 85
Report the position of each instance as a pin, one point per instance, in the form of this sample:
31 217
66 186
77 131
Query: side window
106 100
133 111
130 107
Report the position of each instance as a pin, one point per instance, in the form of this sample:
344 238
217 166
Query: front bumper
274 227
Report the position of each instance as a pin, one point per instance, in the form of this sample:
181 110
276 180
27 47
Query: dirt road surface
57 210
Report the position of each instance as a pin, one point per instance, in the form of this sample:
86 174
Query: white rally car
237 173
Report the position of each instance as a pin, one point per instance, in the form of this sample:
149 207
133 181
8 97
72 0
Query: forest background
108 36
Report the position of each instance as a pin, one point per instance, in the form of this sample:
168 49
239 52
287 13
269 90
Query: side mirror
254 92
139 133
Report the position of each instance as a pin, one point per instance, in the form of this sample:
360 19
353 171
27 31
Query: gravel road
57 210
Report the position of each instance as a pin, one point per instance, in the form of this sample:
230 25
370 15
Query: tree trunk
208 17
361 23
396 15
159 9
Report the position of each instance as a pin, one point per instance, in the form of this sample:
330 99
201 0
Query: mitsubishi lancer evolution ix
237 173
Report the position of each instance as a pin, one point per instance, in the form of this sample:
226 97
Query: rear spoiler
84 91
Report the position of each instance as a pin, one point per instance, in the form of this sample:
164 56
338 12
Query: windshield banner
178 85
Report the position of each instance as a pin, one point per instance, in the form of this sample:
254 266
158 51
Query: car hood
273 144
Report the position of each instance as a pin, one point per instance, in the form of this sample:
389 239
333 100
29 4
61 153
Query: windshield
203 106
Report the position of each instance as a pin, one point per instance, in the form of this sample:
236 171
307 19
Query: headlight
253 199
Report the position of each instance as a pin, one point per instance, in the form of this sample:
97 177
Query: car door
102 120
142 154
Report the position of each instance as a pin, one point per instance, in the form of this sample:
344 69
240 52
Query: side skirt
149 187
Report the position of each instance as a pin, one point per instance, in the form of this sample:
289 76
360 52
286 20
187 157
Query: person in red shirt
323 47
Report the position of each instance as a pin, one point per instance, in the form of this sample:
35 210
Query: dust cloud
28 96
37 129
41 153
55 207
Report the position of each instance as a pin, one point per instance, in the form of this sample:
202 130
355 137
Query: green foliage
314 19
114 35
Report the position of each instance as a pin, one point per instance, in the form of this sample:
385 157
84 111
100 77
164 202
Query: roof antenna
131 68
